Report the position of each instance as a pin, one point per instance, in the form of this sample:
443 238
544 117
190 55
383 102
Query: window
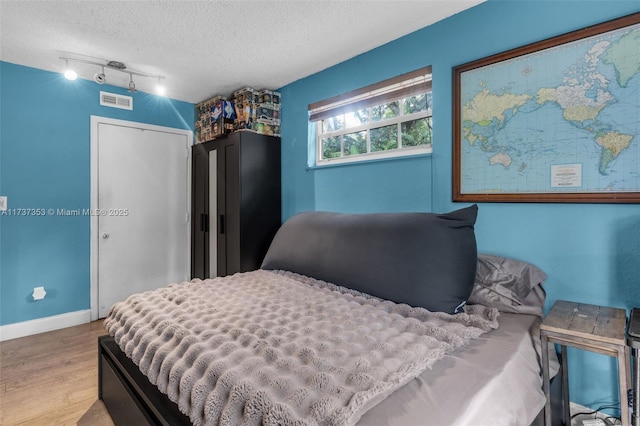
388 119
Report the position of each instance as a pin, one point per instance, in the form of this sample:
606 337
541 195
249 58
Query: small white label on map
566 176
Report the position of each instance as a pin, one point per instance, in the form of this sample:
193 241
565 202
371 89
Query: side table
589 327
633 339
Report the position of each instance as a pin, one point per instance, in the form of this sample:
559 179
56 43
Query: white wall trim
42 325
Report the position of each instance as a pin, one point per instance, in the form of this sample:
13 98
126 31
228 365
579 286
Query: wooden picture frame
514 114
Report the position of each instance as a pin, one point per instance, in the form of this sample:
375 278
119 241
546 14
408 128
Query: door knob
105 236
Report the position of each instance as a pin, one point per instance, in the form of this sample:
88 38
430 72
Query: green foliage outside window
355 143
416 103
331 147
384 138
413 131
416 132
385 111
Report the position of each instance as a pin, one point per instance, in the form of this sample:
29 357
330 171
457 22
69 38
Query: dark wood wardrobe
236 202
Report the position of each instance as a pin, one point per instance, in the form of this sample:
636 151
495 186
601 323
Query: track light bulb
69 74
160 90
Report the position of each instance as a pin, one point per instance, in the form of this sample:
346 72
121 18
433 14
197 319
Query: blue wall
45 163
591 253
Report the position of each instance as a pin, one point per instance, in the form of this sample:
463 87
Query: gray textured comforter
276 348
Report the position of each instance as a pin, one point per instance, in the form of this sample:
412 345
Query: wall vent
114 100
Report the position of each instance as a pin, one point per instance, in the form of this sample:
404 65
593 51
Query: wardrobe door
231 202
199 211
212 216
260 215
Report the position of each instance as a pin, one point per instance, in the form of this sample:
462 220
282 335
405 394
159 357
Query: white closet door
142 227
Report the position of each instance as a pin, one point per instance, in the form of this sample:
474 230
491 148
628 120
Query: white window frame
395 89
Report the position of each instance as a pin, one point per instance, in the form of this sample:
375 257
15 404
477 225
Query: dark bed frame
132 400
127 393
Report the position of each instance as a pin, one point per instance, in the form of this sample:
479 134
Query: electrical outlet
39 293
593 422
3 203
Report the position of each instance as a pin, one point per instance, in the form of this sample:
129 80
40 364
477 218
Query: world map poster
554 121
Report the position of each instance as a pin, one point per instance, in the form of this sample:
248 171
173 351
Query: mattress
275 348
494 380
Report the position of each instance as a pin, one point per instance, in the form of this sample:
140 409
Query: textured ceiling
205 48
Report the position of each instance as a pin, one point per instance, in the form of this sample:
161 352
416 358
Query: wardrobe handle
222 224
204 222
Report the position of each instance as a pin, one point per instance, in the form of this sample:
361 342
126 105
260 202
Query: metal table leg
635 418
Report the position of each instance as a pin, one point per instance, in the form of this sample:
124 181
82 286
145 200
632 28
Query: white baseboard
42 325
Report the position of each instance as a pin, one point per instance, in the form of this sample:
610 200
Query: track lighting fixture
132 85
101 78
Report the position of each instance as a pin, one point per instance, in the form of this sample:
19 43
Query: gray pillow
508 284
421 259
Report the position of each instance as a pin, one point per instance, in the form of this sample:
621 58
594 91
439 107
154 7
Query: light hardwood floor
52 378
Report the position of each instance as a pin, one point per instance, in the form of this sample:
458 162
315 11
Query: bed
375 319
